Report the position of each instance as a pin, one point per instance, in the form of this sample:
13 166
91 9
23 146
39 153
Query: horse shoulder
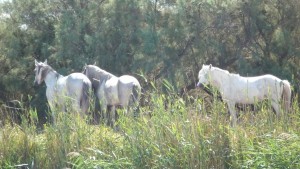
50 94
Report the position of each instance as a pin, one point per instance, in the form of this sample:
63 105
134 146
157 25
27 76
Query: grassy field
179 134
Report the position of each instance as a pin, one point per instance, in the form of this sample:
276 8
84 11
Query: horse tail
136 92
135 97
287 93
85 96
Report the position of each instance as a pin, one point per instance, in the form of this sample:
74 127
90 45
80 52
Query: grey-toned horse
64 92
123 91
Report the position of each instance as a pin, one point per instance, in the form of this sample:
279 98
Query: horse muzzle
200 85
35 83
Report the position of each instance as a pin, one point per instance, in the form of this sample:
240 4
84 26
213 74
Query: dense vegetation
164 44
176 136
156 39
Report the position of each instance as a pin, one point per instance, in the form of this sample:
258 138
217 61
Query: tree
157 39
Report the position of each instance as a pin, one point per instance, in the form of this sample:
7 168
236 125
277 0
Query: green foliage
269 151
175 135
167 41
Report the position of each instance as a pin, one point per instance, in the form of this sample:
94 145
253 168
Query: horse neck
219 76
51 78
97 76
104 76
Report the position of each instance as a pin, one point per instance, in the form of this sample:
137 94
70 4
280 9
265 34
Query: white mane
235 75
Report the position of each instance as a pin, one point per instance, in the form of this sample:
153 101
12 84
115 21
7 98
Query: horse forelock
44 69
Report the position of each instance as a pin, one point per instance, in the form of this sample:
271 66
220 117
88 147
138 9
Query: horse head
203 75
92 72
84 69
41 70
86 66
89 70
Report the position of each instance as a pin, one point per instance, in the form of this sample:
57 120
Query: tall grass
179 133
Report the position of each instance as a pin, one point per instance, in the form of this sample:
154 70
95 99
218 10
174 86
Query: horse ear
210 66
94 63
85 65
36 62
45 61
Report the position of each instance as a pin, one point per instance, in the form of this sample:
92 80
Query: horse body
62 90
249 90
116 91
111 90
246 90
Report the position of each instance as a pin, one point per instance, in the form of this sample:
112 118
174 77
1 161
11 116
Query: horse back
259 81
127 79
127 82
247 89
75 82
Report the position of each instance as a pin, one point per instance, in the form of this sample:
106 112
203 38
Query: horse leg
131 106
116 112
111 115
276 107
136 92
134 106
53 110
74 107
233 117
97 114
77 108
108 118
104 111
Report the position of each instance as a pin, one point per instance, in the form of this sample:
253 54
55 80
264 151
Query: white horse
64 92
246 90
113 91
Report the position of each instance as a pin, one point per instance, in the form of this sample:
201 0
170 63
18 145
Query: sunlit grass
179 134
